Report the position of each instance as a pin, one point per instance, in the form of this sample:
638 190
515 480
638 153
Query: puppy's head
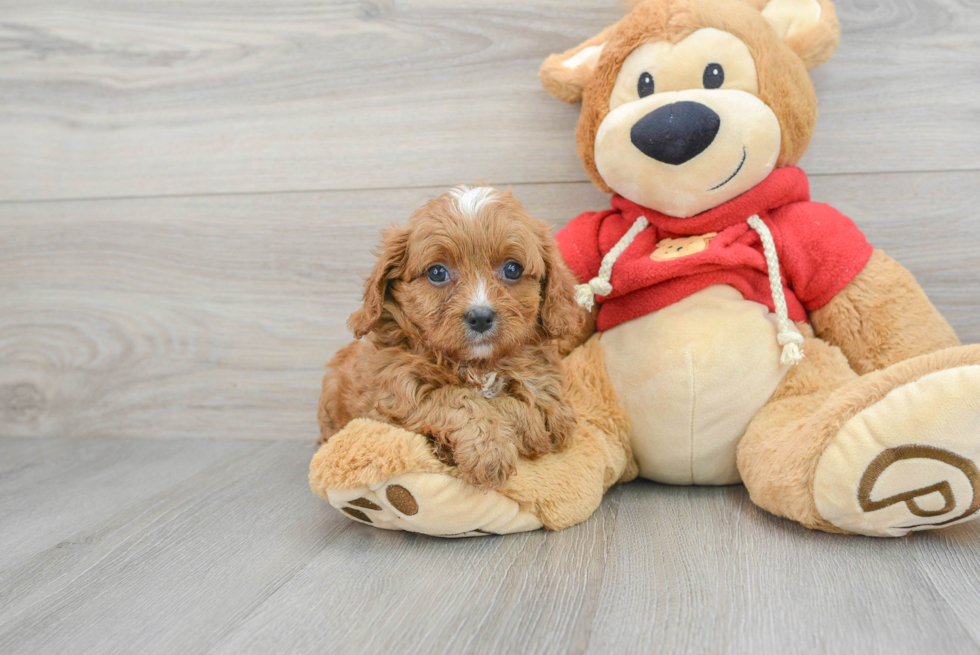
472 276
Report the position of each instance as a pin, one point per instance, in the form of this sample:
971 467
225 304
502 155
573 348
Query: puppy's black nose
676 133
480 319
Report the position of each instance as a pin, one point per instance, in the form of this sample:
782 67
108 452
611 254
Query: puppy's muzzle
480 319
676 133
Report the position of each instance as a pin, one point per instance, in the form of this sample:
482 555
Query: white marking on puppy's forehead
470 200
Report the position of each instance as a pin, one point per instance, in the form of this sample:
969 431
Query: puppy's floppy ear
809 27
565 76
394 246
561 315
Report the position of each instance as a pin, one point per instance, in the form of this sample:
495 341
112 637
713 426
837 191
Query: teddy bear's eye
645 86
714 76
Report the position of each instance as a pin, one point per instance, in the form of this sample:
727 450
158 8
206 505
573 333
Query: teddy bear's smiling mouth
731 177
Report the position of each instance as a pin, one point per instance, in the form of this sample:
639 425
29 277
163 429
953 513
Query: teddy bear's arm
882 317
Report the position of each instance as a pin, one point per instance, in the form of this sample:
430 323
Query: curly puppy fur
484 398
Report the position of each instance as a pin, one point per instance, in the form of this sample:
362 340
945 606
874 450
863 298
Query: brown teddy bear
745 333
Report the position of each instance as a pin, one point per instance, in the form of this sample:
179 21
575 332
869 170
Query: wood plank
702 570
944 557
108 98
52 488
237 556
675 570
531 593
173 571
213 316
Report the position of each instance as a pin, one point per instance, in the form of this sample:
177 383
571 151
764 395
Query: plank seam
286 192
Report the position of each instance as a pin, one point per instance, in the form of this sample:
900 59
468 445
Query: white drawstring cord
599 285
788 337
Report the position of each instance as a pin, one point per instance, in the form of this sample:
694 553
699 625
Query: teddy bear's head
687 104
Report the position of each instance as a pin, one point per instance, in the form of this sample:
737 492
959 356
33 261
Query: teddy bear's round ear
809 27
565 76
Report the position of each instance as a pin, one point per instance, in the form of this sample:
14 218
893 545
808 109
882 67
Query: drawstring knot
585 293
792 351
599 285
788 337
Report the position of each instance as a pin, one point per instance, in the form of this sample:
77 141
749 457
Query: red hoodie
820 250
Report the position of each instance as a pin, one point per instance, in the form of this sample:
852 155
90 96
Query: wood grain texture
169 570
50 488
115 98
189 193
213 316
237 556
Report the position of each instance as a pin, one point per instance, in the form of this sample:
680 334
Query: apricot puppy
462 314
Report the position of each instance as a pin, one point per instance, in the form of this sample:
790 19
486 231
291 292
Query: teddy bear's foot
389 478
433 504
910 460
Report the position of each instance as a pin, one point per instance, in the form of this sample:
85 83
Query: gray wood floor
192 546
189 193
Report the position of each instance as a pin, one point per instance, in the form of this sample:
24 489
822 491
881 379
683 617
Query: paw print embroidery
668 249
433 504
400 499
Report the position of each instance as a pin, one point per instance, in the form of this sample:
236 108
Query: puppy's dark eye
645 86
513 270
714 76
437 274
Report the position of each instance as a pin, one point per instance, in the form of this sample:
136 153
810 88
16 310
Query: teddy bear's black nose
676 133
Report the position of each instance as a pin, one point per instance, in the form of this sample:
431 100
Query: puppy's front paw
551 434
489 472
484 457
560 424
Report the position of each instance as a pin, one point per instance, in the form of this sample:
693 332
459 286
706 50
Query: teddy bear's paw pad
908 462
433 504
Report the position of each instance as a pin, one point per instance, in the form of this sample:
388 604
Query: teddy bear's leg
882 454
388 477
